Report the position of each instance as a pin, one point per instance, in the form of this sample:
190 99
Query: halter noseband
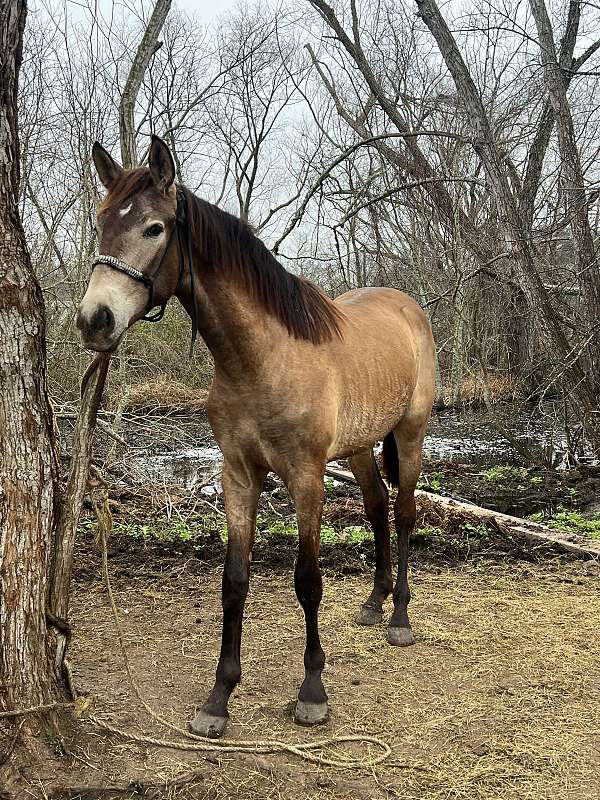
148 280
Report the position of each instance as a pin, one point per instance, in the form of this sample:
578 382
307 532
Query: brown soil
499 698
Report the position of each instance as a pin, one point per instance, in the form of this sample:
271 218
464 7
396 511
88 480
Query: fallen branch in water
505 523
104 427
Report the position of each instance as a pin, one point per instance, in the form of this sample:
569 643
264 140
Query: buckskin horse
299 380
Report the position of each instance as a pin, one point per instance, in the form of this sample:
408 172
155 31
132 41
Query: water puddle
188 468
462 438
473 438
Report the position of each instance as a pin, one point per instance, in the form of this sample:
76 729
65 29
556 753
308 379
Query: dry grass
498 700
162 395
476 389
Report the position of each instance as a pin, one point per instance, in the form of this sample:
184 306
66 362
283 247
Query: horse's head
138 266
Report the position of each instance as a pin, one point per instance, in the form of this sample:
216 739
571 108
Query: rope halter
182 229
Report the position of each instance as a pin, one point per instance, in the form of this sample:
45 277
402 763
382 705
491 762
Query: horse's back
392 325
381 301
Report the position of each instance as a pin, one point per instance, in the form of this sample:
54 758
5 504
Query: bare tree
576 201
584 384
356 156
29 473
491 219
144 53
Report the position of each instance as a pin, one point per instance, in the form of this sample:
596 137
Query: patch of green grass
429 532
281 526
194 530
432 480
352 534
475 530
500 474
564 519
329 487
136 531
176 529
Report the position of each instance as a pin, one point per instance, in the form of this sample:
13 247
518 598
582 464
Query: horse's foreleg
376 501
307 494
241 488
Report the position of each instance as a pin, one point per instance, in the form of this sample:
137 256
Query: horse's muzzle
97 328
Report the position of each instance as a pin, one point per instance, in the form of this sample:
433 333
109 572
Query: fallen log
505 523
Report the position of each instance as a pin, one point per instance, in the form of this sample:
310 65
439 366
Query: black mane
229 247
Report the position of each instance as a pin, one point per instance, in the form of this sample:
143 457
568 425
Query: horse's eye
153 230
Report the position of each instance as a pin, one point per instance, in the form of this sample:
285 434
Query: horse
299 380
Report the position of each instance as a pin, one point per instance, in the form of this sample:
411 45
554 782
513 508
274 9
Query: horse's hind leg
409 435
376 500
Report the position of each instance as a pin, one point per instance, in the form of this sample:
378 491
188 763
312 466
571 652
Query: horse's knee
308 582
236 575
405 514
377 506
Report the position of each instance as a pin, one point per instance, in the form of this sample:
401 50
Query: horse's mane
229 247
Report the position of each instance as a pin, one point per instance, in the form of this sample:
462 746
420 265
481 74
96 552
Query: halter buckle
157 316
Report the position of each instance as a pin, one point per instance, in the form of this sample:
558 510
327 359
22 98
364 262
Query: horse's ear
162 166
107 168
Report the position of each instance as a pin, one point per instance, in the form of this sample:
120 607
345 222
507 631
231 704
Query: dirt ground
499 698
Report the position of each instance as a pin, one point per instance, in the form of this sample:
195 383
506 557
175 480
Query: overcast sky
206 9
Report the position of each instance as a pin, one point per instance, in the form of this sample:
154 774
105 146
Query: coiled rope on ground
305 751
308 751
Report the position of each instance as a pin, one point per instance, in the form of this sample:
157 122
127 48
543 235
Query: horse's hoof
310 713
400 637
367 615
209 725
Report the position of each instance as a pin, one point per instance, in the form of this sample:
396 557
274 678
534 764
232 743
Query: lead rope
205 744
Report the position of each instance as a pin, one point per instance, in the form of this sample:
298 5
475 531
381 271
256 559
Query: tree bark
572 181
29 465
148 46
541 140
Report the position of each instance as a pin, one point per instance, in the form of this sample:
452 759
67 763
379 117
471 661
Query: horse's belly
361 424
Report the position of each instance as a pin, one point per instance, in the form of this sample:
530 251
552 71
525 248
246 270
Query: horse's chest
264 429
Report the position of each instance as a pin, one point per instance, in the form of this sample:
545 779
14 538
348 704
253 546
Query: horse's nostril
101 321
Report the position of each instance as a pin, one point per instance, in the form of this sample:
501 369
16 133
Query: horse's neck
234 330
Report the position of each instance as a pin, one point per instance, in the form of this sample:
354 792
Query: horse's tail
391 463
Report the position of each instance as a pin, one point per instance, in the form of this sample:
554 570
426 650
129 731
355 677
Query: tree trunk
28 466
572 180
576 371
148 46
